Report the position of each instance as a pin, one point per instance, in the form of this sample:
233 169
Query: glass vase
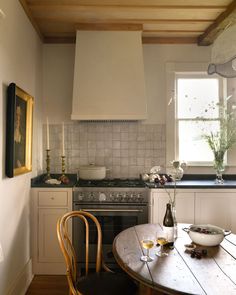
219 167
177 171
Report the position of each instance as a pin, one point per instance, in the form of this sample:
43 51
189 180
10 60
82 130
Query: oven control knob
102 197
80 197
91 197
118 197
140 198
125 197
133 197
112 197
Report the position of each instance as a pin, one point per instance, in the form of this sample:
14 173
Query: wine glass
161 240
147 243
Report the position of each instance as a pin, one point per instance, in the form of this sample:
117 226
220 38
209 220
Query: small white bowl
53 181
189 247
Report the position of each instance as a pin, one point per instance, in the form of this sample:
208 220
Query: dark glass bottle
168 225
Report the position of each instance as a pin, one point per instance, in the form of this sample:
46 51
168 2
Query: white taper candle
1 253
47 135
63 140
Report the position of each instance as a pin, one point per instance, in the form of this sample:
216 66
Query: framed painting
19 127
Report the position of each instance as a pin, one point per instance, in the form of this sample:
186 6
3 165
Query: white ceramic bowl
206 234
92 172
190 247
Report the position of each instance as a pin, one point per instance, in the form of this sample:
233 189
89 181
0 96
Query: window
197 112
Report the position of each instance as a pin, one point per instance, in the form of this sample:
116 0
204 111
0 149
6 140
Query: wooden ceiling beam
49 5
223 21
145 40
172 31
134 2
169 40
108 27
127 21
59 40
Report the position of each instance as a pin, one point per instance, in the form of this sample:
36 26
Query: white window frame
196 75
173 71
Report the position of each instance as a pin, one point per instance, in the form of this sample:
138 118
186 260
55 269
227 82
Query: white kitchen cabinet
233 213
216 207
48 205
48 250
184 205
199 206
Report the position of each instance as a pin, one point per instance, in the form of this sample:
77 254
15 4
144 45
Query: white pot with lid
92 172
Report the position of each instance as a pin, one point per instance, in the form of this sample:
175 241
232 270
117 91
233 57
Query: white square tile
124 153
140 145
124 161
116 136
116 161
124 136
116 144
124 145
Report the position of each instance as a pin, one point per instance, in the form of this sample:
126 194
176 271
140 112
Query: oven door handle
112 210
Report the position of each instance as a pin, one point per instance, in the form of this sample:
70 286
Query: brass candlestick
63 166
48 176
63 178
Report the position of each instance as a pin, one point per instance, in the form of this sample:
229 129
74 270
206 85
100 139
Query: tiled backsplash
125 148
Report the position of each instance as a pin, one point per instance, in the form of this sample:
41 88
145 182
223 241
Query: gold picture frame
19 128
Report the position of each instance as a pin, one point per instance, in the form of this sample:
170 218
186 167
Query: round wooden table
178 273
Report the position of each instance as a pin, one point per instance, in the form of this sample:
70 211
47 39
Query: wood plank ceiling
161 21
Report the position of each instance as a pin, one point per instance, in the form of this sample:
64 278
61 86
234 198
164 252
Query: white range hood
109 76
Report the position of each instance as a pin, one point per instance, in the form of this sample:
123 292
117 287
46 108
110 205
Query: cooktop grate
116 182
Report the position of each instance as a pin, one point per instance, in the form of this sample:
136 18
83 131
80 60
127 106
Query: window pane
192 147
195 98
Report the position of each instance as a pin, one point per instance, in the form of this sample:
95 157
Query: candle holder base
64 179
47 176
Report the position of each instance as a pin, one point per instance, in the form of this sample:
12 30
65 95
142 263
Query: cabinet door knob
52 198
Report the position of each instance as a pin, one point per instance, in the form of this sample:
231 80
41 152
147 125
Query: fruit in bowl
206 234
161 179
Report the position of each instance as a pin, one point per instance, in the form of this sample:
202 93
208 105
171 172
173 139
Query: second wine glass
147 243
161 240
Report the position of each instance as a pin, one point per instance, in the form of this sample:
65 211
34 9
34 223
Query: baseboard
22 282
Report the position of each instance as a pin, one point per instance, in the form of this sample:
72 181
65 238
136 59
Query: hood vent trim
111 121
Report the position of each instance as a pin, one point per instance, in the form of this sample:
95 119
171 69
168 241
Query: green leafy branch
225 138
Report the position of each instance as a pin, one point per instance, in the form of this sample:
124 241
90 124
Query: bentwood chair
103 281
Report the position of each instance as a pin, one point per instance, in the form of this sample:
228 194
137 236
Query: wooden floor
48 285
57 285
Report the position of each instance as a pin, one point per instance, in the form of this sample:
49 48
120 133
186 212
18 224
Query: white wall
58 77
155 59
21 62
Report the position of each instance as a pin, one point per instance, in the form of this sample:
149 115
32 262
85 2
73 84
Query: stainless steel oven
115 208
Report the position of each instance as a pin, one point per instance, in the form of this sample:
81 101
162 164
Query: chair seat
106 283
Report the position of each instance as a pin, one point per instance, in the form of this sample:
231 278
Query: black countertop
188 184
189 181
39 181
206 181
